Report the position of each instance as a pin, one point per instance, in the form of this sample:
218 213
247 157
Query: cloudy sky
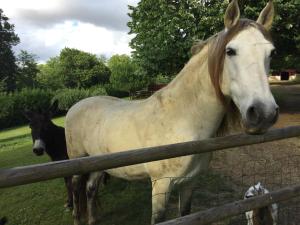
47 26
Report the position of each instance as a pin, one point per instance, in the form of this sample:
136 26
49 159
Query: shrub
6 109
97 90
115 92
162 79
68 97
12 106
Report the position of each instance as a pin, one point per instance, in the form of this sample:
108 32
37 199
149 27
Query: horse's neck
193 95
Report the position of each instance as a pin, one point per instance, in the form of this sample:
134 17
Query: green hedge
68 97
115 92
12 106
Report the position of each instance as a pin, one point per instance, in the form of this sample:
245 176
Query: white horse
232 66
262 216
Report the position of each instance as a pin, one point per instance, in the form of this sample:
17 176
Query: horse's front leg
91 192
161 189
68 183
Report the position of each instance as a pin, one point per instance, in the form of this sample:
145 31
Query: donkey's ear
232 14
266 16
54 107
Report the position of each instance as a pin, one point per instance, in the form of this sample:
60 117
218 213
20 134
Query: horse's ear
54 107
267 15
232 14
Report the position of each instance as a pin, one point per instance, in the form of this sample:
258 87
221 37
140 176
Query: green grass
42 203
121 202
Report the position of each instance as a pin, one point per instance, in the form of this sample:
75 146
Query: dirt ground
275 164
287 97
265 161
283 153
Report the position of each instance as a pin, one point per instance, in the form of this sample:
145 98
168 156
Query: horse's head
243 52
39 122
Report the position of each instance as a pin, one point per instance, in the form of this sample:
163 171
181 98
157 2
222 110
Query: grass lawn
42 203
121 202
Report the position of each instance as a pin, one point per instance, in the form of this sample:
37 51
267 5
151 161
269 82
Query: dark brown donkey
49 138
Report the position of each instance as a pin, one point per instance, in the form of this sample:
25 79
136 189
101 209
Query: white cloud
45 27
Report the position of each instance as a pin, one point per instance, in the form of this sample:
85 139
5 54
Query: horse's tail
3 221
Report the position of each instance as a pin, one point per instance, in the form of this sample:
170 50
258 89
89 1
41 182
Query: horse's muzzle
259 118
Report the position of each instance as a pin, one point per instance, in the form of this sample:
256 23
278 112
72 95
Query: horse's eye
230 51
273 53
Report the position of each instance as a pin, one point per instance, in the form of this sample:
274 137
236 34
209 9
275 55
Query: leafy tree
27 70
125 74
73 69
285 30
165 30
8 67
49 75
80 69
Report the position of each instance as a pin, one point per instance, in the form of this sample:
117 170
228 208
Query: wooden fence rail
40 172
232 209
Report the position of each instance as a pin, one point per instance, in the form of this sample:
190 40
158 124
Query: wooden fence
40 172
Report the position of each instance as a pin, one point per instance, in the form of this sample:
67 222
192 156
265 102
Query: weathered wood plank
232 209
46 171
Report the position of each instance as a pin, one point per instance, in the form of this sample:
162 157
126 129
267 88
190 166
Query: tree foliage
27 70
126 74
82 69
166 29
73 69
8 67
49 75
285 30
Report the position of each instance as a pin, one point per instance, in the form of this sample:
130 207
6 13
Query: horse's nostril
253 115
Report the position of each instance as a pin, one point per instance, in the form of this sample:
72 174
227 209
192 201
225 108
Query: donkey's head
40 122
243 52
